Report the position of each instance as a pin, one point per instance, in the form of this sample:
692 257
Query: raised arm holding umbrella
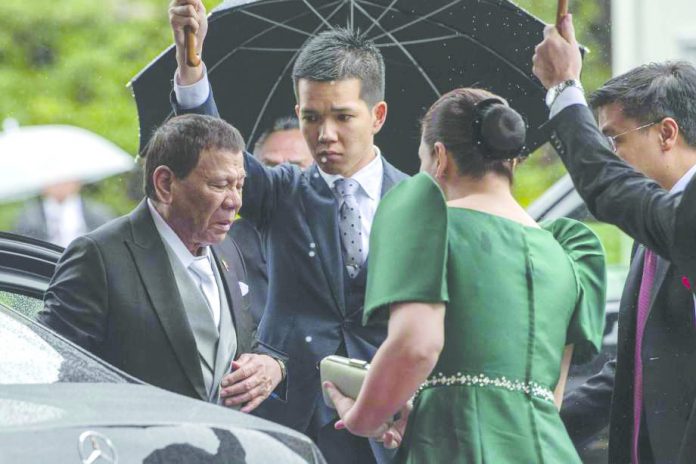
634 168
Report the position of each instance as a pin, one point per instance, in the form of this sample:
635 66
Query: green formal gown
515 297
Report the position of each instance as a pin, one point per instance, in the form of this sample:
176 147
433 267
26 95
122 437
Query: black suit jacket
617 194
669 374
253 250
114 293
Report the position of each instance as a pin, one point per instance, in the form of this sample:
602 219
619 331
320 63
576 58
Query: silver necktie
349 225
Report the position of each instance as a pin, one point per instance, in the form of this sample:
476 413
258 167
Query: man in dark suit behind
281 143
161 293
317 261
61 214
647 117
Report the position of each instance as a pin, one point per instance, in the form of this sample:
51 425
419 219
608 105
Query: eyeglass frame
612 138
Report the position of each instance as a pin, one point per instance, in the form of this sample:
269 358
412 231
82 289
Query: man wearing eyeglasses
631 172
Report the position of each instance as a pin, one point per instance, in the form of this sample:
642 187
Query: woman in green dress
484 305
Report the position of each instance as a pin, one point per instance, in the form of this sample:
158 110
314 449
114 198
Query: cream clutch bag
347 374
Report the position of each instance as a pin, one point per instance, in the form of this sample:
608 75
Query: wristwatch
557 89
283 369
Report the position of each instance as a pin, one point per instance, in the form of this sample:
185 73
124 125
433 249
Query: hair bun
500 129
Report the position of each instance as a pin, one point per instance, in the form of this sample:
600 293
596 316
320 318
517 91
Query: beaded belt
481 380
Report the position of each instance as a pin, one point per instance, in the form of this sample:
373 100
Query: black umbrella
429 47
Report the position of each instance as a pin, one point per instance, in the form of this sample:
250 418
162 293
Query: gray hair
179 142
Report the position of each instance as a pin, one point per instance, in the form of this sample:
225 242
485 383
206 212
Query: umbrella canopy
429 47
35 157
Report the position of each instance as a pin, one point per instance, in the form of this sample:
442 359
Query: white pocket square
244 288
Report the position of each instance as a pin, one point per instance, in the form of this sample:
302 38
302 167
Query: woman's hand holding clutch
390 432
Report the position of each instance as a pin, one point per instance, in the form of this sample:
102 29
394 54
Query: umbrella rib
420 41
267 49
478 43
328 24
265 31
379 18
405 52
275 23
416 21
352 14
280 76
464 36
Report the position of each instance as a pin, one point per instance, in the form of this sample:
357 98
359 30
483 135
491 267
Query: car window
30 353
23 304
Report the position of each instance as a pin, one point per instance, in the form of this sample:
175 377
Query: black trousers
645 455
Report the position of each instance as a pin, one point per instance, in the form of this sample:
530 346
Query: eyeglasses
612 138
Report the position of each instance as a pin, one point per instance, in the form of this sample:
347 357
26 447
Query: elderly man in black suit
161 293
631 171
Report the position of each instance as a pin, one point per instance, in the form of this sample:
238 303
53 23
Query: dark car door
26 267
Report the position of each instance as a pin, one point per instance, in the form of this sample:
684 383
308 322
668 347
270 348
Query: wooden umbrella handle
561 11
192 58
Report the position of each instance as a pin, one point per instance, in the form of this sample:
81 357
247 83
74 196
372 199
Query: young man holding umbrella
317 221
647 118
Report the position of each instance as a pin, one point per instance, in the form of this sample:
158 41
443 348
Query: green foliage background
69 63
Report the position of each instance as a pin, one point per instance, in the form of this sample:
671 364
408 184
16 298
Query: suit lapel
321 211
154 268
241 317
629 301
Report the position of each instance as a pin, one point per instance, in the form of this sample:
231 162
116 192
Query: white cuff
193 95
570 96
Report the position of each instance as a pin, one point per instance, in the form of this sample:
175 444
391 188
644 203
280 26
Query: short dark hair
654 91
450 121
280 124
340 54
179 142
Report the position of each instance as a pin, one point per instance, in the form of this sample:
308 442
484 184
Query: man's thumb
567 29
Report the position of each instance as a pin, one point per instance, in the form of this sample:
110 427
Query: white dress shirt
570 96
191 96
186 258
368 195
64 220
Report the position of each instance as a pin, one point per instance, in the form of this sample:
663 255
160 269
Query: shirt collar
369 177
682 183
173 240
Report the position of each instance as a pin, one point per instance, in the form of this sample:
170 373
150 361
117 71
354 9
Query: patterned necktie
349 225
646 283
202 268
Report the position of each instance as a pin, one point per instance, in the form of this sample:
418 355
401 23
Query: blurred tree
592 27
69 62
